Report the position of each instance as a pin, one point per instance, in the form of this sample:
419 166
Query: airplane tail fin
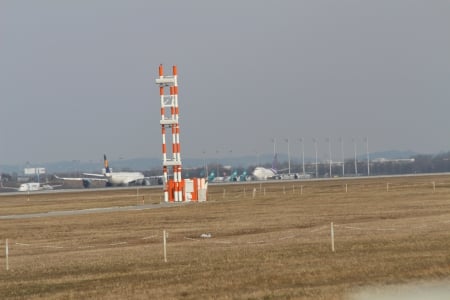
211 176
105 162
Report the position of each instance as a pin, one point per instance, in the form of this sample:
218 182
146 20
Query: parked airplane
261 173
233 177
213 178
113 179
244 176
236 177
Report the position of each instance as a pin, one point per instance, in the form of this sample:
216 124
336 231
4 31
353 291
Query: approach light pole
289 156
368 158
257 158
274 141
356 163
303 156
205 164
217 153
329 152
342 155
315 149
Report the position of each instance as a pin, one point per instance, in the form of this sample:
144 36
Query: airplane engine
86 183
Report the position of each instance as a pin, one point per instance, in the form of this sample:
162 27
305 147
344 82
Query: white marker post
387 187
332 237
165 246
346 188
254 193
7 255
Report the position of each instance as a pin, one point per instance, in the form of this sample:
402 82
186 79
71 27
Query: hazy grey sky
77 77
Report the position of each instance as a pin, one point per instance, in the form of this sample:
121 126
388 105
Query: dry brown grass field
264 241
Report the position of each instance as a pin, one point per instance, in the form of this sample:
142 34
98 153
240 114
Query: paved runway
89 211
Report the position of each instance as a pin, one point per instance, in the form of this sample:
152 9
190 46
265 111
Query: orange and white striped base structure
193 189
174 189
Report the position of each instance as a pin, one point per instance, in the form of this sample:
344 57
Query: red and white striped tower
176 137
170 103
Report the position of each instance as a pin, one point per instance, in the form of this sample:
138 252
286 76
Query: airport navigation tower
169 120
176 189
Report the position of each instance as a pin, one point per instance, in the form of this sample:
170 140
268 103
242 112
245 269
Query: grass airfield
260 241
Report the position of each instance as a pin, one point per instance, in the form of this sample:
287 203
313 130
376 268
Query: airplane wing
153 177
82 178
95 175
86 181
50 187
156 179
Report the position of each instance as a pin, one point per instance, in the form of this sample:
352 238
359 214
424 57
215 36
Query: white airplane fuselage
33 186
124 178
261 173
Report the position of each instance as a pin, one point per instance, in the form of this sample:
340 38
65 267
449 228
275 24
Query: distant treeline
416 164
421 163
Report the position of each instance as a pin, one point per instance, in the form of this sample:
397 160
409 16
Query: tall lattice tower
169 120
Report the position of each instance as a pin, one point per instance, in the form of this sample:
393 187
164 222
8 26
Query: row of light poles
328 140
315 142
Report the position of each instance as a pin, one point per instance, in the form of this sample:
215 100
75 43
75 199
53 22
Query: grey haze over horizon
77 78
